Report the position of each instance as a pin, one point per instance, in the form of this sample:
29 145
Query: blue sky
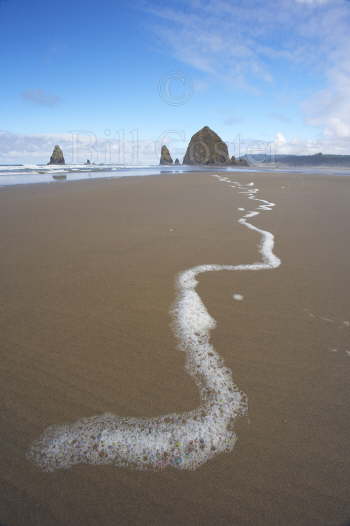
275 73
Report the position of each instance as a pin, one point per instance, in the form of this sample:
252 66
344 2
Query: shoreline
172 170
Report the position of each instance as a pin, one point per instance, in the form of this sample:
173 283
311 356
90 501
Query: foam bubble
181 441
238 297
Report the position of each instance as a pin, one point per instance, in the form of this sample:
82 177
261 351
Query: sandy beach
87 281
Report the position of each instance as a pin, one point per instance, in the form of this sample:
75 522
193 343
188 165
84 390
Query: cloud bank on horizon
79 146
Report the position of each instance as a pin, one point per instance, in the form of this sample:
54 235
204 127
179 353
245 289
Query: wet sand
87 280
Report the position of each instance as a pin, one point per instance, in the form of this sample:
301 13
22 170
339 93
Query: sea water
11 175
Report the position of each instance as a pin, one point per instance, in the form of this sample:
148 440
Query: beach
88 281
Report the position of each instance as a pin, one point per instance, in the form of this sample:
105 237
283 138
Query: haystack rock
57 156
206 147
177 161
165 157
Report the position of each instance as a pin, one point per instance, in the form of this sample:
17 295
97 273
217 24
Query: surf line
183 441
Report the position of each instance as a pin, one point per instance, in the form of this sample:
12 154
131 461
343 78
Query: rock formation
57 156
165 157
206 147
238 162
88 161
177 161
59 177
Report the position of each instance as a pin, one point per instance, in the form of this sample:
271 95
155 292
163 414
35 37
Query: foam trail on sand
186 440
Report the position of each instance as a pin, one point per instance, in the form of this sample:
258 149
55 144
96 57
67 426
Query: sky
113 82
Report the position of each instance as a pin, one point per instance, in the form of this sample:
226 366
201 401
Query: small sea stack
165 157
57 156
59 177
238 162
177 162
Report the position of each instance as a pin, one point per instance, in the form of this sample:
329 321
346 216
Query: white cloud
238 43
233 40
330 108
299 146
199 38
280 139
284 144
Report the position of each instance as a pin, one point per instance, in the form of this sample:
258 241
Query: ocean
11 175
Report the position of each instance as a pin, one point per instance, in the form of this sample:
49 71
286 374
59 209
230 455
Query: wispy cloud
236 39
330 107
239 43
314 2
41 97
198 36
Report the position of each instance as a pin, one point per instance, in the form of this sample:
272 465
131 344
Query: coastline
28 175
88 279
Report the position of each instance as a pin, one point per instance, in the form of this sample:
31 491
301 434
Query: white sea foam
326 319
183 441
238 297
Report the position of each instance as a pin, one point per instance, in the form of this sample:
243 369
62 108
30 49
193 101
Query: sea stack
238 162
57 156
165 157
177 162
206 147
